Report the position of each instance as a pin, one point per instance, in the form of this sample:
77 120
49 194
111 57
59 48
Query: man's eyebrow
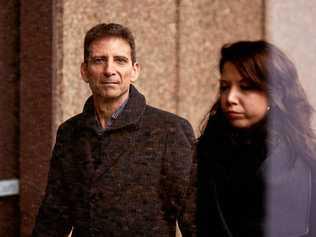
121 56
98 56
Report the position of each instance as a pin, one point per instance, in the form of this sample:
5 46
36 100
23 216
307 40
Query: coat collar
130 115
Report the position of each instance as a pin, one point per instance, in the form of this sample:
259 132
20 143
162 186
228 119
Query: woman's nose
232 96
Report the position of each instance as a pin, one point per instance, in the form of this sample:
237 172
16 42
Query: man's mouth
109 82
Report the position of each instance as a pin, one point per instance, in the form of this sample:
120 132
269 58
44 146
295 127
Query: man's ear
83 72
136 71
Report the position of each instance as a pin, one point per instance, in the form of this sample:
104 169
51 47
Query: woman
256 158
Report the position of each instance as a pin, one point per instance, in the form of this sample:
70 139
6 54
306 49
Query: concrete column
291 26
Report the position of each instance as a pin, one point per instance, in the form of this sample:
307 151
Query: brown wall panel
36 105
9 111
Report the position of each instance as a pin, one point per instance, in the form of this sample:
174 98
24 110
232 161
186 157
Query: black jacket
248 189
129 180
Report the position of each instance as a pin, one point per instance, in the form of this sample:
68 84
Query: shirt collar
119 110
117 113
113 117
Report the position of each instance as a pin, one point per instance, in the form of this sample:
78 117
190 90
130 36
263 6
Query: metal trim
9 187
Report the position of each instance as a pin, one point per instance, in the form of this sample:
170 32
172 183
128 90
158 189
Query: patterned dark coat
129 180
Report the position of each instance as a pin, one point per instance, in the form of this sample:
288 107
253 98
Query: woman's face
243 104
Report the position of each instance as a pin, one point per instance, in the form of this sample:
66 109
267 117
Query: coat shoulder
164 117
172 124
70 126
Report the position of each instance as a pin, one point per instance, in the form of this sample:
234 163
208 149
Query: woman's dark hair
270 70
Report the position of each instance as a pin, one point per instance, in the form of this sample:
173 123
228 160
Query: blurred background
177 41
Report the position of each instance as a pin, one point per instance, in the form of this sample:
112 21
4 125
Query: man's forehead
110 40
117 44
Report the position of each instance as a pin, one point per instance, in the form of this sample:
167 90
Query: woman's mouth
234 115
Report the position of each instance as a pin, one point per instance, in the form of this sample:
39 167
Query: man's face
109 70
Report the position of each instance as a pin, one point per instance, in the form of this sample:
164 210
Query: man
121 167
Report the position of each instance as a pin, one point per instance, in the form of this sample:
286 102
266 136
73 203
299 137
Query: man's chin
111 95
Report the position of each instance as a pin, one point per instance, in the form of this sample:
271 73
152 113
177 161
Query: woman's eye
223 87
245 87
249 87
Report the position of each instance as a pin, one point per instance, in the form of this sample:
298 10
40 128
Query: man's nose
109 68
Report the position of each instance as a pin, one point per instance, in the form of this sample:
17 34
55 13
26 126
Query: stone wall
177 44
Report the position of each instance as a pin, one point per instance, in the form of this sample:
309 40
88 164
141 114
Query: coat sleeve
187 219
178 168
53 218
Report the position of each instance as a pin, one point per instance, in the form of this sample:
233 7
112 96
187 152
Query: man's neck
105 108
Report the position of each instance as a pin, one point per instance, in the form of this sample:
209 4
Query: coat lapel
111 145
118 147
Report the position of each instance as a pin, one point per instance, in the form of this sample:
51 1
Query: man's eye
121 60
99 60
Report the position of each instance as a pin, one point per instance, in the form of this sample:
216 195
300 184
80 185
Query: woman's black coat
253 188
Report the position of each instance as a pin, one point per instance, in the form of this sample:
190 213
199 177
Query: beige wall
204 27
177 44
291 26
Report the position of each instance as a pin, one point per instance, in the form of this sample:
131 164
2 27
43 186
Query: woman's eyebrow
245 80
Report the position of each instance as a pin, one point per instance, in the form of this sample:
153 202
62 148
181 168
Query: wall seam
178 58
